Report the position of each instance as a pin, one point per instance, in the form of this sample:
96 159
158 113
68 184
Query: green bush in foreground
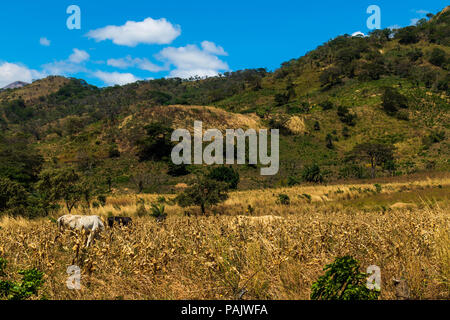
284 199
312 174
343 281
22 290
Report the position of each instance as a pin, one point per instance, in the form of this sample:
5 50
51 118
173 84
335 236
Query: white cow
91 224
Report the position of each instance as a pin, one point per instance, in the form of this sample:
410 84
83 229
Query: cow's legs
90 238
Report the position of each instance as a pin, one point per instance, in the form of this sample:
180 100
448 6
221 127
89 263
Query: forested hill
390 89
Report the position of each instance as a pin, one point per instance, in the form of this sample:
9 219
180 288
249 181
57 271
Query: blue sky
124 41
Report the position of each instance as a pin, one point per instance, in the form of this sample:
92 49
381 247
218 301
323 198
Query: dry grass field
273 251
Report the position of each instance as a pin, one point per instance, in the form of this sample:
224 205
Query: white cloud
132 33
192 73
11 72
122 63
62 68
358 33
190 61
44 42
422 11
127 62
79 56
113 78
212 48
74 64
414 21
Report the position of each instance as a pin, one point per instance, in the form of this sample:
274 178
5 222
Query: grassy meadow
251 242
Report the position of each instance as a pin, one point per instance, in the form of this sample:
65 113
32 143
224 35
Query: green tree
203 192
393 100
13 197
372 70
408 35
290 89
61 184
375 153
19 160
343 281
345 116
225 174
330 77
157 144
177 170
281 99
438 57
327 105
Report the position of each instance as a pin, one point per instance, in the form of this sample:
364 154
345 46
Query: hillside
15 85
325 103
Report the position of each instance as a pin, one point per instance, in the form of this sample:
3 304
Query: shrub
437 57
161 200
306 196
317 126
408 35
292 181
312 174
415 54
402 115
225 174
326 105
284 199
101 199
393 100
378 188
330 77
345 116
177 170
346 132
262 112
352 171
343 281
13 197
160 98
372 71
113 151
141 210
281 99
432 138
329 141
158 211
29 285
